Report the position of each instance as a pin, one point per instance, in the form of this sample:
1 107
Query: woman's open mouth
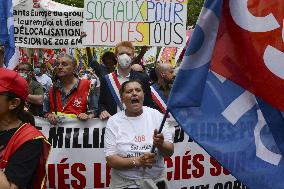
134 101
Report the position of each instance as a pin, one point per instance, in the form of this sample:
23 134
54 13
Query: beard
169 82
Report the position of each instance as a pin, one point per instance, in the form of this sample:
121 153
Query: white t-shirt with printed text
133 136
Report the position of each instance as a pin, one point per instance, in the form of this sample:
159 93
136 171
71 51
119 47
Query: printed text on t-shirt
140 138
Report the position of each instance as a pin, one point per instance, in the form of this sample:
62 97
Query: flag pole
161 128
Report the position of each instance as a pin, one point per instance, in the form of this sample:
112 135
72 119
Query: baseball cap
11 81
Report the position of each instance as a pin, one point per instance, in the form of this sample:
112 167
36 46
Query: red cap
11 81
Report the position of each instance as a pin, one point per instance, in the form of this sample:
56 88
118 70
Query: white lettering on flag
239 107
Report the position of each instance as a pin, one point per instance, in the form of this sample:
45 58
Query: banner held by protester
150 23
47 24
77 159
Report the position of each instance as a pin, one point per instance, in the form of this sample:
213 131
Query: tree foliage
193 8
74 3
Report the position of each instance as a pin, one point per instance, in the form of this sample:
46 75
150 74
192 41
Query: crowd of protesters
119 87
67 90
23 149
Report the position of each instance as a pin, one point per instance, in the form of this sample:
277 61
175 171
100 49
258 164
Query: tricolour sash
114 86
158 98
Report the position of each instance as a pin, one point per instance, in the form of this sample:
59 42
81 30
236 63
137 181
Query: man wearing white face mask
109 101
36 93
41 77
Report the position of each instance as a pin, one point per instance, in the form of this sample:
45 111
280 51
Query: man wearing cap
23 149
69 96
41 77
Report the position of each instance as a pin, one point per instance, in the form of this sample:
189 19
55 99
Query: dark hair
24 116
27 64
40 65
123 86
153 75
2 46
2 49
110 55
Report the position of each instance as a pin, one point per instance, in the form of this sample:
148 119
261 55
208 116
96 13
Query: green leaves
74 3
193 10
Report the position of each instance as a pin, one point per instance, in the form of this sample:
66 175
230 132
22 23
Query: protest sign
172 55
47 24
150 56
77 159
152 23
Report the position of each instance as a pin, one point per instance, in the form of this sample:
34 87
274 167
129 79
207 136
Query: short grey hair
61 55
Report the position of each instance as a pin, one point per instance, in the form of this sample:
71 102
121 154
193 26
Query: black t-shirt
23 163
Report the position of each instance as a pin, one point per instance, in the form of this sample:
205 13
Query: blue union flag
7 29
233 58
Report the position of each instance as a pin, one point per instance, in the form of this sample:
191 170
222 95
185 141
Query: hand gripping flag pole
161 128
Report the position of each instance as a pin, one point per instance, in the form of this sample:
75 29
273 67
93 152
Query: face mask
24 75
85 76
124 61
37 71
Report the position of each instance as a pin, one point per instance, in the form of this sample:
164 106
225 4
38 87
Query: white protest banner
77 159
143 22
172 55
47 24
180 49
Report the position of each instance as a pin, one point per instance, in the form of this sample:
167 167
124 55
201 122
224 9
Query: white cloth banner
47 24
77 159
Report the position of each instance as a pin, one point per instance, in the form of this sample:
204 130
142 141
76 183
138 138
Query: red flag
244 50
